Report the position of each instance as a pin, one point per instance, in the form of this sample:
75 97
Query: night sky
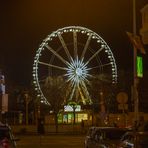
25 23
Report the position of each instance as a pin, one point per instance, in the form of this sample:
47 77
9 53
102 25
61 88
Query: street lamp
27 100
135 92
137 62
137 44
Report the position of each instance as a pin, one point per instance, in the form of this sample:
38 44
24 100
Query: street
52 141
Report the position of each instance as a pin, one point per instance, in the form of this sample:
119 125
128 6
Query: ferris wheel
78 55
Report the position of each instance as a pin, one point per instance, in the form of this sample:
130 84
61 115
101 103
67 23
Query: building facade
144 29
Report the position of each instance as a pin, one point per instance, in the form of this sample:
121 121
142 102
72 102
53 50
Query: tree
54 91
101 87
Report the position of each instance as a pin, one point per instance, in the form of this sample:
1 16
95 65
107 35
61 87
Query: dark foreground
51 141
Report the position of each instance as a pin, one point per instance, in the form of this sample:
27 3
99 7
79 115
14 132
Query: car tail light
5 143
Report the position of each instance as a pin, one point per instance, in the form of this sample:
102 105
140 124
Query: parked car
104 137
134 140
7 139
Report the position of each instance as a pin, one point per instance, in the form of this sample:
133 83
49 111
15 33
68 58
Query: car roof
4 126
109 128
136 133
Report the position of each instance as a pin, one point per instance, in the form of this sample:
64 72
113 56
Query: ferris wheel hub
78 71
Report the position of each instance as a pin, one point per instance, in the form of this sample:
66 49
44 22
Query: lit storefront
67 116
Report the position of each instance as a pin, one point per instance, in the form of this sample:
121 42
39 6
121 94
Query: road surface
51 141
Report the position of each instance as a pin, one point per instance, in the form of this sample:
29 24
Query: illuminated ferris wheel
78 55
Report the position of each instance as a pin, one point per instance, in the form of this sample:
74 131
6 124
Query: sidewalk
49 129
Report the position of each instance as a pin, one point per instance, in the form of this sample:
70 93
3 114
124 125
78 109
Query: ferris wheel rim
57 32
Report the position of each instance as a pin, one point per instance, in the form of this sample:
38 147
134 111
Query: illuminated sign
2 84
69 108
139 67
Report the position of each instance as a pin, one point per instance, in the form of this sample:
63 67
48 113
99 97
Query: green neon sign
139 67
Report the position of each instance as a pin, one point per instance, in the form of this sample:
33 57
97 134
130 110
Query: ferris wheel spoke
72 93
103 77
64 46
86 46
103 65
81 95
71 79
51 65
75 44
85 93
107 64
94 55
56 54
77 94
90 76
84 88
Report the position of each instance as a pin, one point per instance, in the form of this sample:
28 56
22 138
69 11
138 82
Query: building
144 29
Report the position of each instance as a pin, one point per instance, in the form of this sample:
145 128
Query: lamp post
102 108
26 106
135 83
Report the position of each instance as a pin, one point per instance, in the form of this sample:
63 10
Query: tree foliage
53 89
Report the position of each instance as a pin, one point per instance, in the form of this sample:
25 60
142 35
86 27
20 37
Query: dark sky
25 23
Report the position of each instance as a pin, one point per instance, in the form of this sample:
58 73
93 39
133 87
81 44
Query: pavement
47 141
49 129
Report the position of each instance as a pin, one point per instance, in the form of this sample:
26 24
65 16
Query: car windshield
113 135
